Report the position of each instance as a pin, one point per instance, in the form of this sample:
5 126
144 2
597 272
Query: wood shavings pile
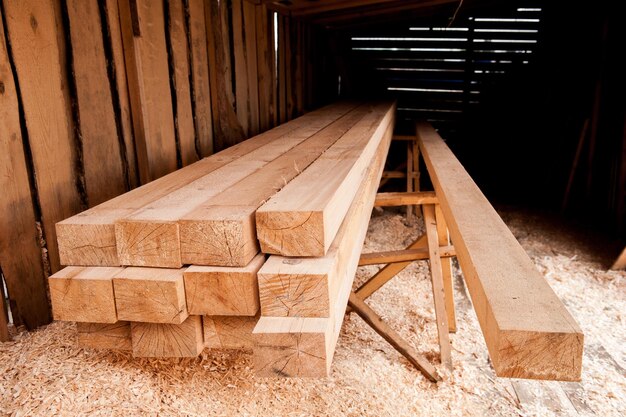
45 373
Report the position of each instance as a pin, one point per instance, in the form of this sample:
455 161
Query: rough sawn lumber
527 329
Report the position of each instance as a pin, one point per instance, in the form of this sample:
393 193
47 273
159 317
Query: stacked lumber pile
182 263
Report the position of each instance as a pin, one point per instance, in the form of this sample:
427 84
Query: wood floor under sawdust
44 373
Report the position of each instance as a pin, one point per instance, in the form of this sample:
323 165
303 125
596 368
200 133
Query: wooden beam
388 272
436 276
114 336
620 262
20 254
393 338
88 238
229 332
151 295
411 138
406 255
304 346
152 340
151 236
293 224
528 331
221 231
405 199
4 320
249 29
84 294
223 290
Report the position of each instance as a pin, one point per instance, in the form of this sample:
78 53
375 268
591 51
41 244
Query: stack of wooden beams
182 263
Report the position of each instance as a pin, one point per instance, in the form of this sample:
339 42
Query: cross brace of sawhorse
433 246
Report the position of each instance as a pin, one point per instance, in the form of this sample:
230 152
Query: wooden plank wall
100 96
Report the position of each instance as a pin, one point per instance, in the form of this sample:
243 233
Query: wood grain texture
405 198
221 231
149 88
23 274
298 221
436 279
33 28
152 340
249 32
200 77
122 100
84 294
101 154
242 91
229 332
226 127
443 237
152 236
151 295
115 336
265 65
395 256
88 238
223 291
4 322
180 71
305 346
528 331
310 287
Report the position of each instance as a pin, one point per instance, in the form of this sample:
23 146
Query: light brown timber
620 262
229 332
446 268
222 230
404 199
105 336
223 290
395 256
23 274
152 340
152 236
436 277
298 222
394 339
151 295
528 331
84 294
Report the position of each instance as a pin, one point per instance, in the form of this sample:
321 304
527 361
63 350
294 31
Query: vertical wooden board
226 127
282 67
290 57
446 268
299 69
33 29
242 95
249 30
121 100
179 66
223 10
263 67
102 161
201 90
148 83
4 321
24 274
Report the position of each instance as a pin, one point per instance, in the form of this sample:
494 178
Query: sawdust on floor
44 372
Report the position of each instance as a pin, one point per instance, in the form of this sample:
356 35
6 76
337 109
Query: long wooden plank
446 268
4 322
620 262
89 237
120 89
404 199
151 236
84 294
294 222
223 290
222 231
265 60
23 274
101 155
143 35
305 346
33 29
436 278
528 331
180 71
242 94
201 89
249 29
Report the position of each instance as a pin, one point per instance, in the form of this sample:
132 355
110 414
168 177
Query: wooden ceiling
341 12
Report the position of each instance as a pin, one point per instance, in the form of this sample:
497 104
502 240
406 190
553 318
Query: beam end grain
183 340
